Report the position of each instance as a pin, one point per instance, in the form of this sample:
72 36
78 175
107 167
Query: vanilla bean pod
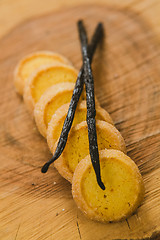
74 100
91 111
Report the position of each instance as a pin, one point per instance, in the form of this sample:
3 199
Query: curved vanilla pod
74 101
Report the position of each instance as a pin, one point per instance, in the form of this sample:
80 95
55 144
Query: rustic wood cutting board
127 84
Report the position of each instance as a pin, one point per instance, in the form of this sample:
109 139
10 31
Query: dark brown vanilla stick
91 111
74 101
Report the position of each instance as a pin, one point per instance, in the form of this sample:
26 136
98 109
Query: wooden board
126 70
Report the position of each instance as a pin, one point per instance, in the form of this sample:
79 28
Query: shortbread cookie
50 101
56 123
124 188
77 146
45 78
32 62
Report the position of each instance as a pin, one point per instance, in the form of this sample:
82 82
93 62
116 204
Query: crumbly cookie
50 101
77 146
32 62
123 182
56 123
44 78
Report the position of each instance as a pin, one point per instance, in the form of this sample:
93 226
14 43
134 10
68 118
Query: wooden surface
126 70
13 12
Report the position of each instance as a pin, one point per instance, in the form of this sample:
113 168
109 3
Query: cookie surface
50 101
56 123
45 78
32 62
124 187
77 146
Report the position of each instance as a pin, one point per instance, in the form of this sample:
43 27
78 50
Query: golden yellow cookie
50 101
32 62
77 146
123 182
56 123
45 78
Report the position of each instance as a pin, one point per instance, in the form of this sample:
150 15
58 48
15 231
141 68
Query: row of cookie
44 94
47 93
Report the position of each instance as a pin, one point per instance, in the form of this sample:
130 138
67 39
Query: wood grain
126 70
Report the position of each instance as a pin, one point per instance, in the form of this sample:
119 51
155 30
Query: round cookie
31 63
50 101
44 78
56 123
77 146
124 188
